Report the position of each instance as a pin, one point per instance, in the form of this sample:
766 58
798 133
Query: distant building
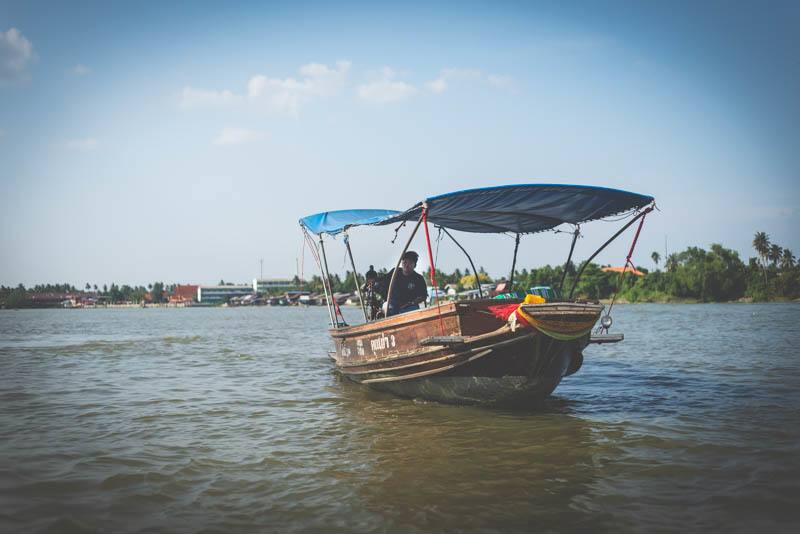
50 300
215 293
66 300
262 285
183 293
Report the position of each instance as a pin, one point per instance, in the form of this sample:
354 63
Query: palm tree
672 262
787 260
656 257
775 253
761 244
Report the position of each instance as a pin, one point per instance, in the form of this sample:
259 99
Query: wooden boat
480 360
484 351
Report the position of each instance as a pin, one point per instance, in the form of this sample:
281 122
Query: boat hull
511 391
522 375
468 356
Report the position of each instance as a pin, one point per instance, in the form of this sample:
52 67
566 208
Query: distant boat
479 351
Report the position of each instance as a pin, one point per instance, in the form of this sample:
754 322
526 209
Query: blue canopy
333 222
522 208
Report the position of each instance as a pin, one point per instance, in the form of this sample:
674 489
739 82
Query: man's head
408 262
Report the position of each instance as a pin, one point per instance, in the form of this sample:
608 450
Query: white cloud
191 98
16 53
506 82
235 136
81 70
290 94
325 81
450 76
439 85
89 143
385 89
442 83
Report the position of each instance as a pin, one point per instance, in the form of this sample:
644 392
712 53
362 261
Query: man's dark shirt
406 288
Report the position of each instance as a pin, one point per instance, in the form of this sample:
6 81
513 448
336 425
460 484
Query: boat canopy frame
515 209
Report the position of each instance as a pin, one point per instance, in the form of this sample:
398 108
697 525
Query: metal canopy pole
564 274
394 272
355 275
468 257
513 265
580 272
326 285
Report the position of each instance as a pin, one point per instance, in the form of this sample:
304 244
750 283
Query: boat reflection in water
484 351
428 465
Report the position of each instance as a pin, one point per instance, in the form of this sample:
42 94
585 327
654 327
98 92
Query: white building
262 285
215 293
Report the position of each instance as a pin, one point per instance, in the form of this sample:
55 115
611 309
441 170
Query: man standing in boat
409 286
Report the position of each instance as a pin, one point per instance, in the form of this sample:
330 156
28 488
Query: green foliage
594 283
469 280
53 288
156 292
14 297
126 293
716 275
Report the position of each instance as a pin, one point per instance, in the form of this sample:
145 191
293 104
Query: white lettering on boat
360 347
381 343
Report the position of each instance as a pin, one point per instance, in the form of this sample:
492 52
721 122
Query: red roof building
184 293
619 270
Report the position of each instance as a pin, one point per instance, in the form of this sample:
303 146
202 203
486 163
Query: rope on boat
553 328
596 252
433 267
560 330
313 248
438 242
397 229
625 268
326 284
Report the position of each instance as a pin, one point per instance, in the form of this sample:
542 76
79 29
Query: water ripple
214 420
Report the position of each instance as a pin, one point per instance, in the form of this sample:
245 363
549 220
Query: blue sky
181 143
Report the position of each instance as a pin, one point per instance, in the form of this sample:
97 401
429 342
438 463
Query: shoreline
200 305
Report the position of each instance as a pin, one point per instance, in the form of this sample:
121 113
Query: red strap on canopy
433 267
628 261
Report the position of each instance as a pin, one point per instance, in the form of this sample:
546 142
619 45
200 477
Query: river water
233 420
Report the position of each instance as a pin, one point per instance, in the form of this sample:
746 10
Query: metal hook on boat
397 230
605 323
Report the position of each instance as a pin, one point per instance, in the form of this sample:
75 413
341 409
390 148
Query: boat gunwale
385 323
424 314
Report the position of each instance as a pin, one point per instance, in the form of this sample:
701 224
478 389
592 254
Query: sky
181 141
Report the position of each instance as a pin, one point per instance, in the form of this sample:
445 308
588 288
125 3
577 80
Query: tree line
714 275
20 297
